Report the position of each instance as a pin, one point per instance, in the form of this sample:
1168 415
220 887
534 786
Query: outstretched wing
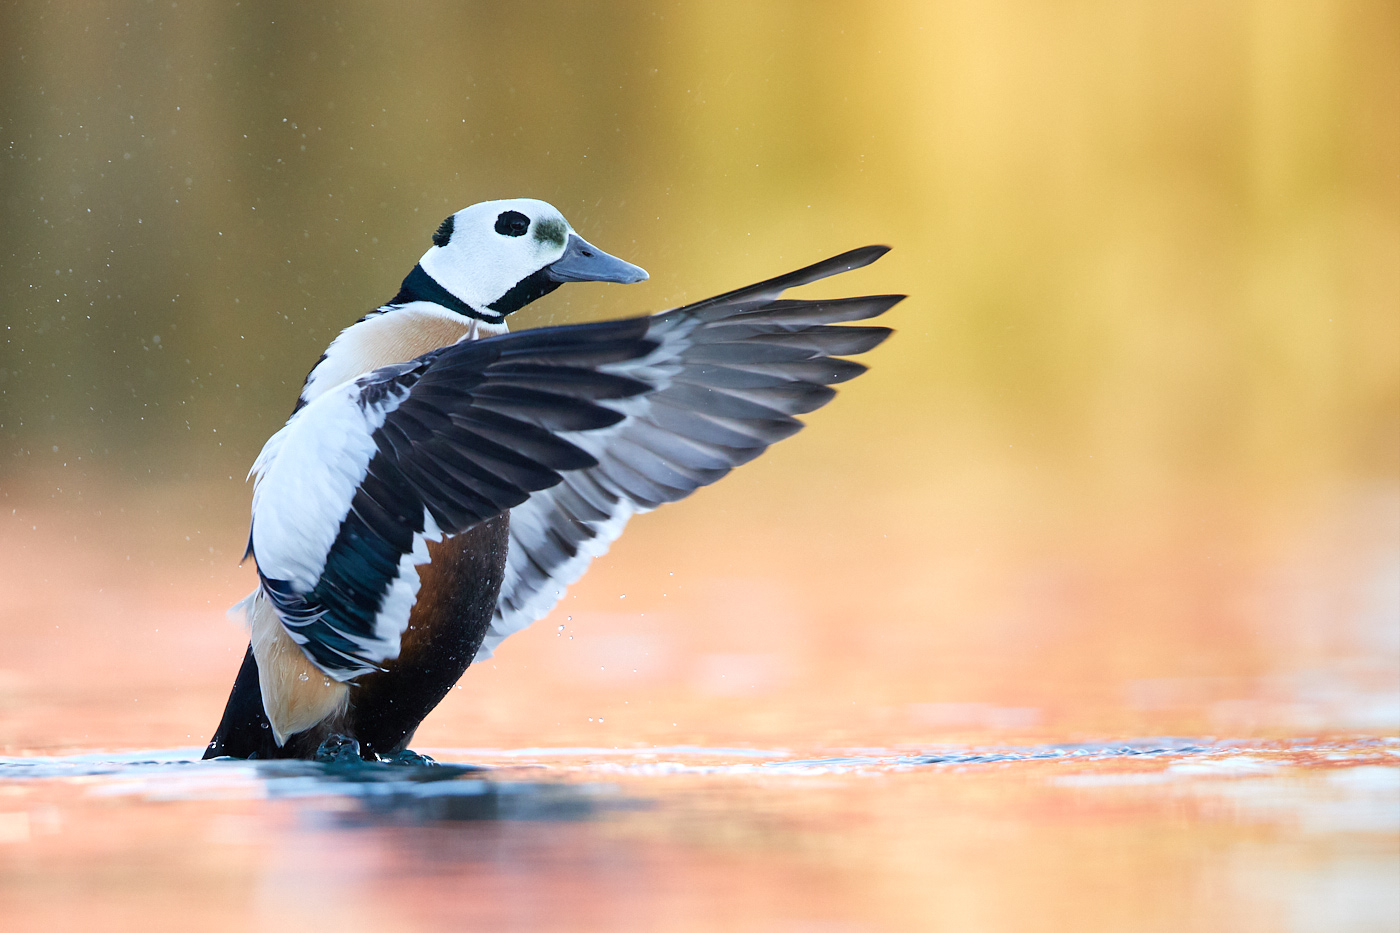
359 478
727 375
572 429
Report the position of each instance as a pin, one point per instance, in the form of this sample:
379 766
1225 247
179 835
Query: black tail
245 732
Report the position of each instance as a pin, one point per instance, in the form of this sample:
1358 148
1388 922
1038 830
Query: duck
442 480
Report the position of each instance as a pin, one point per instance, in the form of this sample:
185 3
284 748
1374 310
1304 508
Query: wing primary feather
807 312
529 441
829 341
771 288
547 410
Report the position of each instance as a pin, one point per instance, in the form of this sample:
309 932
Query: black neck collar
418 285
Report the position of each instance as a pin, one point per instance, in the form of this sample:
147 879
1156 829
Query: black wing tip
883 302
875 305
770 289
856 258
864 255
879 335
849 261
862 339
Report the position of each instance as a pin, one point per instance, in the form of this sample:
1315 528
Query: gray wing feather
729 374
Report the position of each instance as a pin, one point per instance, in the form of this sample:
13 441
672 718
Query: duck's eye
444 231
512 223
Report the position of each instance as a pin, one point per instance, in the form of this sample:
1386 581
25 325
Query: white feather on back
307 476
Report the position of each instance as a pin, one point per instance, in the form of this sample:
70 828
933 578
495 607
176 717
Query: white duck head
495 257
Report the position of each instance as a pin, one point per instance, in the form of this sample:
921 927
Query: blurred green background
1148 244
1130 466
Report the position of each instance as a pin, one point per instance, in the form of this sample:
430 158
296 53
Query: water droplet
304 677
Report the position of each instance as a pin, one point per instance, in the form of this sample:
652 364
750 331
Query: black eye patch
512 223
444 230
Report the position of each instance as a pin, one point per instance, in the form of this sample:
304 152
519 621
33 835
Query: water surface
1148 835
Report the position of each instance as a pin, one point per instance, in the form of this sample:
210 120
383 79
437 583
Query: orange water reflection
792 640
1256 838
906 623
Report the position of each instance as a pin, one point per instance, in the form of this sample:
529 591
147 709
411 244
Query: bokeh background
1130 466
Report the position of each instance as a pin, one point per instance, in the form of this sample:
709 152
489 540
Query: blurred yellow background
1131 464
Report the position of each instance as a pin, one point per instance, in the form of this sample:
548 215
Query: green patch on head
550 231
